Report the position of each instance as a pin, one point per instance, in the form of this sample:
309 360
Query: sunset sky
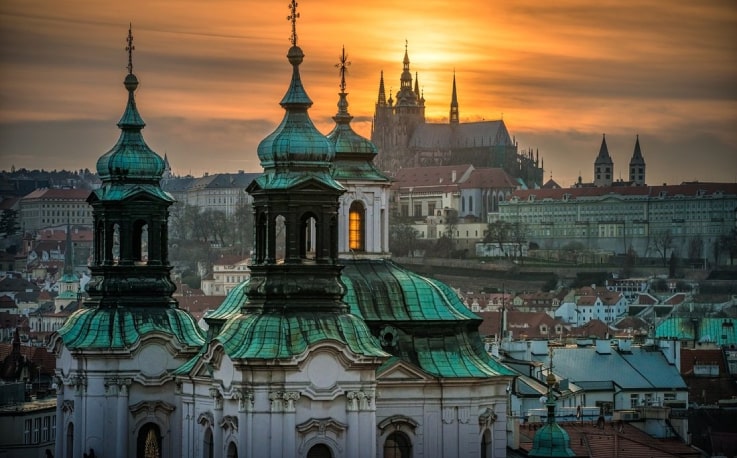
212 74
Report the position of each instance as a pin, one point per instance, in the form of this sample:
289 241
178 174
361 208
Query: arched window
486 445
463 204
70 441
308 237
232 451
140 241
208 446
280 238
397 445
149 442
320 451
357 227
470 204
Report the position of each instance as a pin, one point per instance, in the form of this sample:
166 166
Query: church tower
292 372
637 165
603 166
115 355
363 211
395 122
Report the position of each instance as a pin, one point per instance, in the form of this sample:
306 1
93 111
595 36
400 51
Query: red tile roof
685 189
58 194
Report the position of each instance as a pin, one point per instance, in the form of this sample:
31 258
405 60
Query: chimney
453 176
603 347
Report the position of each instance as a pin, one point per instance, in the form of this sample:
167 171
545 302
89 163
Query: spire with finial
382 94
130 158
637 165
342 67
551 439
454 102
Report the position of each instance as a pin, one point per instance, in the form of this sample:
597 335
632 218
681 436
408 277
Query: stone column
122 435
60 436
352 439
217 429
290 425
245 422
80 384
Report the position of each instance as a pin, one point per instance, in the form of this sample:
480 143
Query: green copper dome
551 441
120 328
296 141
131 159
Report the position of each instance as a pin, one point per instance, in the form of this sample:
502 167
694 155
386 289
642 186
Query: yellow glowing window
356 227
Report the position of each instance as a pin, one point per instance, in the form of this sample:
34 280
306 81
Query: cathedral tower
454 104
637 165
603 166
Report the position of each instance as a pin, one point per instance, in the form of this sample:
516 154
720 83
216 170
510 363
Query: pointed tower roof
354 154
296 143
130 159
382 94
454 103
603 157
69 275
637 158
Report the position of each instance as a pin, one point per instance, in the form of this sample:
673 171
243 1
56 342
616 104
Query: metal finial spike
130 48
293 17
342 67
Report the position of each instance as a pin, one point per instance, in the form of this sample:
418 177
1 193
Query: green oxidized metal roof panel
382 290
236 298
120 328
722 331
269 335
275 180
119 192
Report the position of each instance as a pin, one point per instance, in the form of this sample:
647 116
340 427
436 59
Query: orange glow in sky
212 74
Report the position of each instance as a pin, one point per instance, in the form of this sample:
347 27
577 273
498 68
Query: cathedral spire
454 103
637 165
382 94
603 166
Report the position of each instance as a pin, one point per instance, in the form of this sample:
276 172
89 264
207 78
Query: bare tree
662 242
498 232
519 234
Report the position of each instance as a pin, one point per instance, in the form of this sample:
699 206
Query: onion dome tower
603 166
361 232
110 353
637 165
551 440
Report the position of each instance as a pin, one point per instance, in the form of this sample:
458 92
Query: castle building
329 349
405 139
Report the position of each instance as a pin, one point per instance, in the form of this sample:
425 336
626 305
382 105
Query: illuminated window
356 227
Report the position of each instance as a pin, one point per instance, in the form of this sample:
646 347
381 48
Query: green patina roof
68 294
296 140
272 180
722 331
236 298
130 158
550 441
381 290
456 357
120 328
119 192
357 170
69 278
270 335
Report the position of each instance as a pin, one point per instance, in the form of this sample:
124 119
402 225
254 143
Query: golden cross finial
343 68
293 17
130 48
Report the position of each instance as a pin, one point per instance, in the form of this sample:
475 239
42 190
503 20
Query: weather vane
343 69
293 17
130 48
